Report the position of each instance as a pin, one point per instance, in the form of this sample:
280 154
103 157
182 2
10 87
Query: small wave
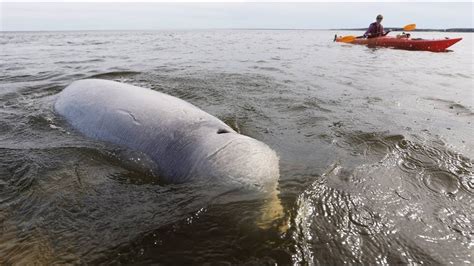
81 61
452 107
40 76
368 143
272 69
115 74
84 43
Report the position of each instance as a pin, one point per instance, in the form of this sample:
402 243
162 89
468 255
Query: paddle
409 27
348 38
351 38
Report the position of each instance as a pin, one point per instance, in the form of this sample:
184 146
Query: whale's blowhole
222 131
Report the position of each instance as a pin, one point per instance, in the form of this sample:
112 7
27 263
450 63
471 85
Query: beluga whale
184 142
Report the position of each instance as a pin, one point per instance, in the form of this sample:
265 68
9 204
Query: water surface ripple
375 145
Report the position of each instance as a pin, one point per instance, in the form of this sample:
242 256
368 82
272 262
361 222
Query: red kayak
439 45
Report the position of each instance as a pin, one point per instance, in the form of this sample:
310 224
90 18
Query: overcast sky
136 16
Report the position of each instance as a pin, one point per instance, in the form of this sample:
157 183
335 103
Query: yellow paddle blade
347 38
409 27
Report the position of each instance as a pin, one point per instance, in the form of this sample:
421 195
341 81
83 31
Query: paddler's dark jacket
375 30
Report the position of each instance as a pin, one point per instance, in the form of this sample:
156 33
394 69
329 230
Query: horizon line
197 29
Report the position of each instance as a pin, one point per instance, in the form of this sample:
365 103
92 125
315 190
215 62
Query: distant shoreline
269 29
419 30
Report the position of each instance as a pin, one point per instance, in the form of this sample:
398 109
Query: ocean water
375 145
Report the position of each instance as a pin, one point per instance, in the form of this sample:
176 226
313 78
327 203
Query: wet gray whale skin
184 142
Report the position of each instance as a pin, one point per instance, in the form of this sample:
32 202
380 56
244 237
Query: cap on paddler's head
379 17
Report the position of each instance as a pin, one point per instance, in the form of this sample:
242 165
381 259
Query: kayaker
376 28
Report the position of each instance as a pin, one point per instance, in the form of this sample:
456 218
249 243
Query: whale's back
92 104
